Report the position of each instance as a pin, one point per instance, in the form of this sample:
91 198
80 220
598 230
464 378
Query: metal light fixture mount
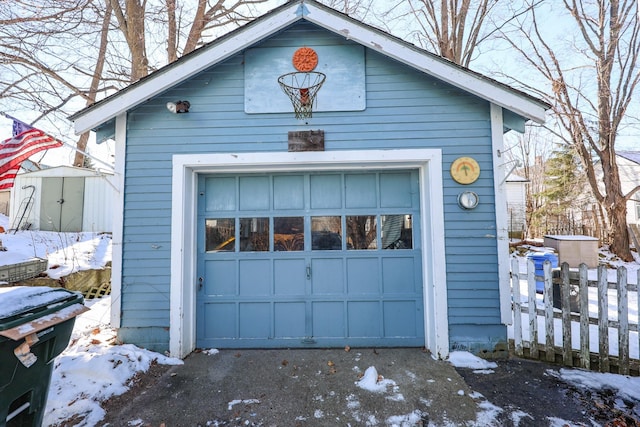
178 107
468 200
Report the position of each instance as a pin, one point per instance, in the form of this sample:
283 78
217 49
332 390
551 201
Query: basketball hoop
302 88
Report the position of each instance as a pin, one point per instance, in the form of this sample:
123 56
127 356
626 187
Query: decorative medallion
465 170
305 59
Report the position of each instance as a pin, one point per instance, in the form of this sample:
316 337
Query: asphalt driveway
325 388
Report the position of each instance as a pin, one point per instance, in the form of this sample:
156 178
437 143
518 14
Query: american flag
26 141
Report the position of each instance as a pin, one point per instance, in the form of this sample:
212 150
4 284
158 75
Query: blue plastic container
538 261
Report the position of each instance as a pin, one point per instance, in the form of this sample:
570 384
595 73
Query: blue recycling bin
538 261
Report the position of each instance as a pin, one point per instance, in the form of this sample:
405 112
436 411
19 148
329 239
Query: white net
302 89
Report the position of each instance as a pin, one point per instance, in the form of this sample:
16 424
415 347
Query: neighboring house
63 198
242 226
516 190
629 169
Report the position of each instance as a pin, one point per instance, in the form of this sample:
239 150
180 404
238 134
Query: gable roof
633 156
282 17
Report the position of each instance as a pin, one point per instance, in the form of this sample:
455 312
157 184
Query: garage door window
361 232
396 232
254 234
288 233
221 234
326 233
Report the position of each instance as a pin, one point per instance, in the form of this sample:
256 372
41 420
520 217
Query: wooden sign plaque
306 140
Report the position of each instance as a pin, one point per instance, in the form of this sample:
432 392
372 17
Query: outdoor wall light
178 107
468 200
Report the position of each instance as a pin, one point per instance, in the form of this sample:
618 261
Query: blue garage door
309 260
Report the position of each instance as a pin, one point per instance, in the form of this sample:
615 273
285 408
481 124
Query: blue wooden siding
405 109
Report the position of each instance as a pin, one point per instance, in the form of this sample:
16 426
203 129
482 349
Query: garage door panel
290 319
398 276
255 277
254 193
400 319
326 191
361 191
255 320
328 320
327 276
288 192
396 190
220 194
310 260
362 276
364 319
220 320
290 276
220 277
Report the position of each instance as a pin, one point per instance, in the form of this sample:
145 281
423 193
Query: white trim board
502 218
117 221
186 167
325 17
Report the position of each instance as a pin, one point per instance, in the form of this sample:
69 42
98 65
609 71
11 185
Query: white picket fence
605 341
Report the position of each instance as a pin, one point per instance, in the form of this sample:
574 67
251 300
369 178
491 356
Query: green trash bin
35 327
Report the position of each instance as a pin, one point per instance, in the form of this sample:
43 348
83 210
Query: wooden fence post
517 302
548 313
603 318
565 294
623 322
585 353
533 310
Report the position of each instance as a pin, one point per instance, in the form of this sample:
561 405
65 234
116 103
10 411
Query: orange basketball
305 59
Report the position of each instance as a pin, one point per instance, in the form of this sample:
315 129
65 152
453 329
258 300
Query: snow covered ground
94 367
66 252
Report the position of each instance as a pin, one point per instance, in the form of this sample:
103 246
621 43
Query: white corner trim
186 168
118 220
433 270
502 218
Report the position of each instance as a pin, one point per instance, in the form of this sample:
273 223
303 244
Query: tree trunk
78 160
136 39
619 233
172 30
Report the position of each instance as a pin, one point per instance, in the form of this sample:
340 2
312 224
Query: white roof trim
196 62
428 64
325 17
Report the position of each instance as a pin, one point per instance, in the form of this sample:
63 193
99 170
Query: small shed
63 198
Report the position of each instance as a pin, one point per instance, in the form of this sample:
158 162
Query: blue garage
310 181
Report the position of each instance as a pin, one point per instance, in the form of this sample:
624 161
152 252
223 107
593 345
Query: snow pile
93 369
371 381
624 386
463 359
66 252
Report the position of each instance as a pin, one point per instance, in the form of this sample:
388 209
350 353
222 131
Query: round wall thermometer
465 170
